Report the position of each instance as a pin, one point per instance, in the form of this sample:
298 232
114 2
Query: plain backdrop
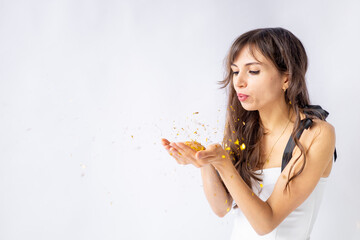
88 89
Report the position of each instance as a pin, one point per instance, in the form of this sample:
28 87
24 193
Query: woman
276 155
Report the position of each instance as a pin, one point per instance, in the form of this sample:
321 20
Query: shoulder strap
304 124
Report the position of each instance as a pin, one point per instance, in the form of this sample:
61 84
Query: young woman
277 151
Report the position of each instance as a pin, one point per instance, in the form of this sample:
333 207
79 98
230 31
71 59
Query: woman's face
259 79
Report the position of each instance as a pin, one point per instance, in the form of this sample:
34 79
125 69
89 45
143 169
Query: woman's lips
242 97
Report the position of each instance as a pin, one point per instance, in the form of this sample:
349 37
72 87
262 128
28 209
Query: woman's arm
264 217
219 200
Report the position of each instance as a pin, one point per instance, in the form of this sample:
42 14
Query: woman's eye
235 73
254 72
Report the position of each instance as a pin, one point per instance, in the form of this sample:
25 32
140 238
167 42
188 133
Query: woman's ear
285 79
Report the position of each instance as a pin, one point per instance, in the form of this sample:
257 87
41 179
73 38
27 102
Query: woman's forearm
215 192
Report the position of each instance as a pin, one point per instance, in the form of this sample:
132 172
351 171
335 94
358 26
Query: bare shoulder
319 142
322 131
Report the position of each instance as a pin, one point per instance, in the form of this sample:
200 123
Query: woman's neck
274 119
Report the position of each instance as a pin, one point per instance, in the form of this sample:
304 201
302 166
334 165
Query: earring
284 89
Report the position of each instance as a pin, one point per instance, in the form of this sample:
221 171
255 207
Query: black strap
304 124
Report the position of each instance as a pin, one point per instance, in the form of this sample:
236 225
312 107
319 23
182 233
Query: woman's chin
248 107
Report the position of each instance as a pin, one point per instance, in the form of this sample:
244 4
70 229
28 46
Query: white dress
296 226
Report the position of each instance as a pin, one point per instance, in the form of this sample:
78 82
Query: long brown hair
288 55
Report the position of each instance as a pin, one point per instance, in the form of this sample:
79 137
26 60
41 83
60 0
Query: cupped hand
182 153
214 154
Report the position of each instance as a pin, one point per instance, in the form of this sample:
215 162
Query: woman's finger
164 141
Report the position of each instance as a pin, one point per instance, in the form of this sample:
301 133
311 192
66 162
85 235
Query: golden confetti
132 136
228 148
195 132
206 140
225 201
232 108
290 102
237 142
252 194
232 176
195 145
242 138
243 123
196 113
238 119
230 140
261 185
228 209
233 131
223 156
242 147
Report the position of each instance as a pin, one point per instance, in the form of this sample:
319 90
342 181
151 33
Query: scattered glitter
233 131
196 113
261 185
252 194
237 142
290 102
225 201
228 148
232 176
228 209
223 156
243 123
132 136
195 145
242 147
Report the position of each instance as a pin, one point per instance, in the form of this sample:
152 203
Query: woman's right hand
188 157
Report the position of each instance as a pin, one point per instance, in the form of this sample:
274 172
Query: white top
296 226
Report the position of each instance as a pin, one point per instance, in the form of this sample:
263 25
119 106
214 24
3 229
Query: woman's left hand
213 154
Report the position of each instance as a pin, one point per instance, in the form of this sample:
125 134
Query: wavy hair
288 55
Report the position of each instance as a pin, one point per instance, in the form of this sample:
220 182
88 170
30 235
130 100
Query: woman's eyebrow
250 63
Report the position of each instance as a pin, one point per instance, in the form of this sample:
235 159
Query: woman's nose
240 81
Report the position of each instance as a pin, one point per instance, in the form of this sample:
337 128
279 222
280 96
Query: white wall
79 78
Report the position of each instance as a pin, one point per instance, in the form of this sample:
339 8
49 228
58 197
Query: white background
88 88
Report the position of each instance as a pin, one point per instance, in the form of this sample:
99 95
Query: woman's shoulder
320 127
319 131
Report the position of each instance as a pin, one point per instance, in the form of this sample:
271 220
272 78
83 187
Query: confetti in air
242 147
